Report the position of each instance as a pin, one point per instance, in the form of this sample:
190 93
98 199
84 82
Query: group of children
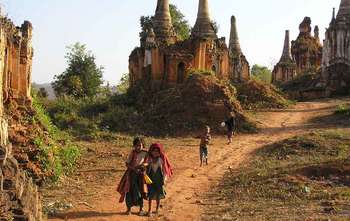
148 171
144 168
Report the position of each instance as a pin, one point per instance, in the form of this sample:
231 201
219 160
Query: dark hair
139 140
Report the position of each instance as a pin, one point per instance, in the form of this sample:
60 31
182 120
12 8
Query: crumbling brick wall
19 196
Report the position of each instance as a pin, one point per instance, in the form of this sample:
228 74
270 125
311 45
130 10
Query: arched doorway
180 73
213 68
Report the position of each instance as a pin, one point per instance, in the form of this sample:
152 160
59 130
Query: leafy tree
180 24
124 84
82 78
261 73
146 24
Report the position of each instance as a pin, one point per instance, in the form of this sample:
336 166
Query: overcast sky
110 27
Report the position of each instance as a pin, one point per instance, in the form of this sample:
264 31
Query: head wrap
167 168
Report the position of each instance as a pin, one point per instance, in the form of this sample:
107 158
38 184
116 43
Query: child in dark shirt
204 146
230 124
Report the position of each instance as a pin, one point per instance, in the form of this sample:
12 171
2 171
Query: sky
110 28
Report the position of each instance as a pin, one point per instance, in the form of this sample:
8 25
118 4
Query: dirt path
186 189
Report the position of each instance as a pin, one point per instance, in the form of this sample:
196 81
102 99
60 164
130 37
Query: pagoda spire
344 10
234 46
286 54
162 23
204 27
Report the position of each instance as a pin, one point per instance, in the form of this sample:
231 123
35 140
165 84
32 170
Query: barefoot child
204 145
131 187
158 170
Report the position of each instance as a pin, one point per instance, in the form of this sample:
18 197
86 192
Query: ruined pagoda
285 69
307 49
239 66
203 27
336 51
163 60
162 24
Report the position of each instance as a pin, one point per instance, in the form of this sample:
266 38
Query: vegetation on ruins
180 24
261 73
136 111
82 78
256 94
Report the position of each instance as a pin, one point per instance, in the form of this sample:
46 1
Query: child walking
230 124
158 170
204 146
131 186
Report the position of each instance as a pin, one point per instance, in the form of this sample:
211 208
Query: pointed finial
286 54
162 23
234 45
204 27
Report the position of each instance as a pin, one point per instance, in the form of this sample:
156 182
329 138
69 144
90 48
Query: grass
296 179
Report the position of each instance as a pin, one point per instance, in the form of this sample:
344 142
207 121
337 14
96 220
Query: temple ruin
307 49
336 51
239 66
19 196
164 60
285 69
16 55
304 56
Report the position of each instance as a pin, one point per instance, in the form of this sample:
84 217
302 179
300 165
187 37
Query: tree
180 24
261 73
82 78
124 84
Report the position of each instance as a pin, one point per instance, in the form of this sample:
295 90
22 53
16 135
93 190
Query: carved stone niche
3 155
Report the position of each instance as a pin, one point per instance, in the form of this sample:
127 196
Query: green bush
121 118
200 72
87 118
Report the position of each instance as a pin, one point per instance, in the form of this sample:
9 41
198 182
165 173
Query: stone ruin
307 49
19 196
285 70
336 51
164 60
305 54
16 55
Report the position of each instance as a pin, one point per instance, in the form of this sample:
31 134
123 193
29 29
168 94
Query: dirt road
187 187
